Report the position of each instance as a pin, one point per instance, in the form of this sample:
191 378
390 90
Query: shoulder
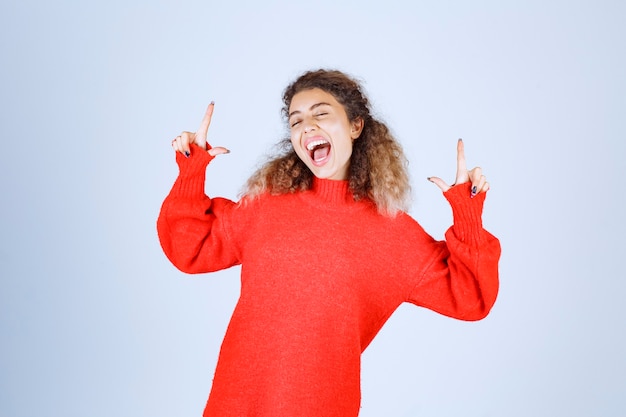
404 226
251 207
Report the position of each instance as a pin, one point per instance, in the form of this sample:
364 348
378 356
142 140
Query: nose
309 128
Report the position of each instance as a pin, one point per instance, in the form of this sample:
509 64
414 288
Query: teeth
313 144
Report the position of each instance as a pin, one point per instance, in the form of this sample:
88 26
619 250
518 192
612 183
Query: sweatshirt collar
335 192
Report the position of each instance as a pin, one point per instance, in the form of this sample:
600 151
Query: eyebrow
310 108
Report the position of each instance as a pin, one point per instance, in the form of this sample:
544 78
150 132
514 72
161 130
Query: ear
356 127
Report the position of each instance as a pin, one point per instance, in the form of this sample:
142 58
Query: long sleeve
193 229
461 281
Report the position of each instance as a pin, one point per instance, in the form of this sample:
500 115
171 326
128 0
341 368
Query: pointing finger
203 130
461 168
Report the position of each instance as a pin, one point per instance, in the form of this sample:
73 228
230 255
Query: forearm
191 226
462 278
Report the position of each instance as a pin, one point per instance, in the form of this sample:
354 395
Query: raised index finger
461 167
203 130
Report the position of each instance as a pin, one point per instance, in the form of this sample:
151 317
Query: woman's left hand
475 175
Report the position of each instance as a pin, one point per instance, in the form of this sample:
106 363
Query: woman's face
321 133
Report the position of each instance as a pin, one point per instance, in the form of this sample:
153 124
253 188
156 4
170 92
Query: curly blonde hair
378 167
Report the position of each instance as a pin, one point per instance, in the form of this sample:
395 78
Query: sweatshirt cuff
466 212
192 172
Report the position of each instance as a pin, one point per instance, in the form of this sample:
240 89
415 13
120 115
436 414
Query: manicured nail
212 102
429 179
473 193
187 154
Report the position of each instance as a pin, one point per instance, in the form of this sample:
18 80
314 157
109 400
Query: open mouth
319 150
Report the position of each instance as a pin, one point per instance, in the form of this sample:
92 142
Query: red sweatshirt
320 275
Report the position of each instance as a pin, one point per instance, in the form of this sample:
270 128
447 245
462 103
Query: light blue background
94 320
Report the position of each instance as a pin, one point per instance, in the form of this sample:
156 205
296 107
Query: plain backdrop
95 321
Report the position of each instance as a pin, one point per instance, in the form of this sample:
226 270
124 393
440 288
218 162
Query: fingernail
473 193
187 154
212 102
429 179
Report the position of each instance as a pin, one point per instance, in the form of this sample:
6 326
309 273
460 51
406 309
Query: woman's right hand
182 142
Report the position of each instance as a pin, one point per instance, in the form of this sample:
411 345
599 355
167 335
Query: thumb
218 150
439 183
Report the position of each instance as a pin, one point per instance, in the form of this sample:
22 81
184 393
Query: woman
327 252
